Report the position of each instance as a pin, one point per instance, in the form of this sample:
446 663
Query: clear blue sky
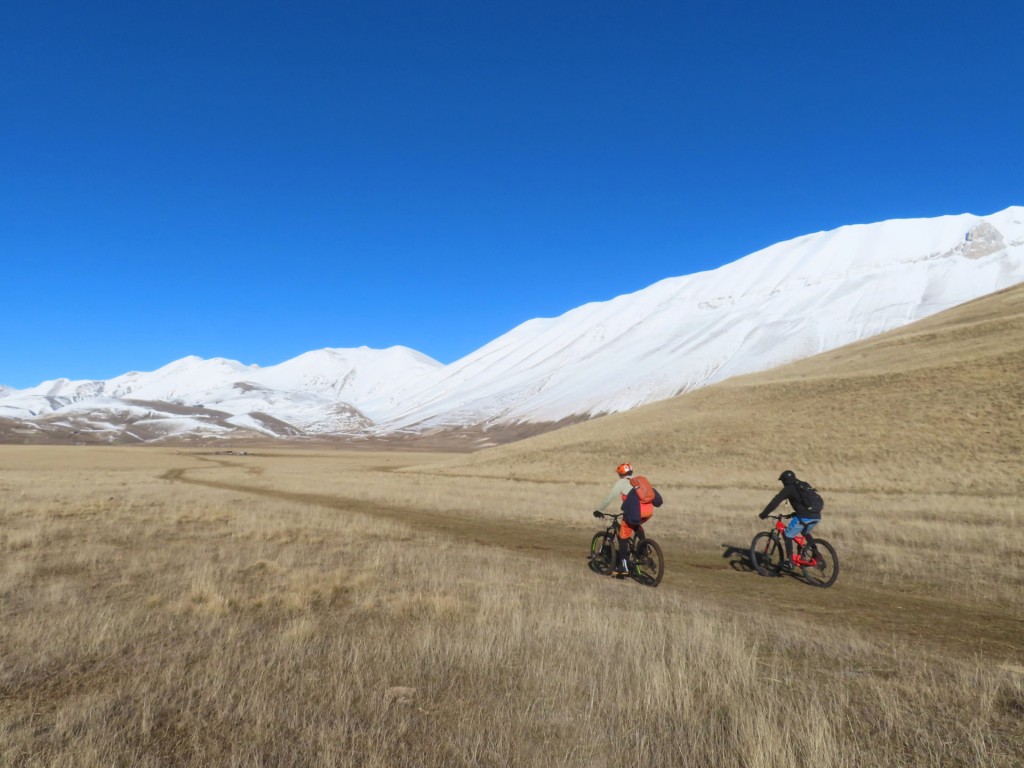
254 180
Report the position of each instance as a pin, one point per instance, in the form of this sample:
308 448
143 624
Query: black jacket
792 495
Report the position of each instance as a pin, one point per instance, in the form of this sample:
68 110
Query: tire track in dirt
724 580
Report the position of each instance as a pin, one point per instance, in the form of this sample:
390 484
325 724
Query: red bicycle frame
800 540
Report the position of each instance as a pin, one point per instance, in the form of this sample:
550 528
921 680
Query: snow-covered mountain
308 395
788 301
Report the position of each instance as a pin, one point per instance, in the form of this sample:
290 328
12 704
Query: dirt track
723 579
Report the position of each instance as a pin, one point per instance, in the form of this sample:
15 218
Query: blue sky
256 180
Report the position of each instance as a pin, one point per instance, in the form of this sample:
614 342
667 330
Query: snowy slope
311 393
788 301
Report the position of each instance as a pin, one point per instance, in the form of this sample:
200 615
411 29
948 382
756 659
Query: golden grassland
166 607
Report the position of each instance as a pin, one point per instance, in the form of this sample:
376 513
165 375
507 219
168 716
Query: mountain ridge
789 301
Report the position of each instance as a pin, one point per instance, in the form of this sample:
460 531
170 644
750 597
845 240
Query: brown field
293 607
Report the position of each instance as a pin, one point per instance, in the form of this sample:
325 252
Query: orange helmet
624 469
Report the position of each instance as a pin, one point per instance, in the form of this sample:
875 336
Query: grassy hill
935 406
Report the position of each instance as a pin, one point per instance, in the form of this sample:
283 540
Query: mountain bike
646 563
816 558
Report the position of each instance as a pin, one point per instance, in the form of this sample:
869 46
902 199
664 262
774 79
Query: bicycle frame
613 529
800 539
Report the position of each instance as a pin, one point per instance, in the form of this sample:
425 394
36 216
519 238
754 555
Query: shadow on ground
739 557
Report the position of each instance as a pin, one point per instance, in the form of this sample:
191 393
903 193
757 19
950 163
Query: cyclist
635 514
806 504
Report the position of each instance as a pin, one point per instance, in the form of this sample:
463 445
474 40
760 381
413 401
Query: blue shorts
798 525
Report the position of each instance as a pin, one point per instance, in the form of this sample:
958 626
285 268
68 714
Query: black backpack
810 497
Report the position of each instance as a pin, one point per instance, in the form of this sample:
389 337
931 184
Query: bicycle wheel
767 554
650 564
602 552
825 571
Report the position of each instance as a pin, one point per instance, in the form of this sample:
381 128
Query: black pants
638 531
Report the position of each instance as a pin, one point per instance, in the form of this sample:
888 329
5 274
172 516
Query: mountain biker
806 510
635 514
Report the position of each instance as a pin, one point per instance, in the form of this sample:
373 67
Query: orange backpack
644 489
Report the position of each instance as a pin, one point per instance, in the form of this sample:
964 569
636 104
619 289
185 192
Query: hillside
935 406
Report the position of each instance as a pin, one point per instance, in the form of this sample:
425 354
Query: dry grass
948 545
300 608
149 621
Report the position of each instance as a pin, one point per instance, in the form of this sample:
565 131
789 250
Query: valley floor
298 608
908 613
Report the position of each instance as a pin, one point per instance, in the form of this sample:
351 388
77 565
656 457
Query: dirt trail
724 579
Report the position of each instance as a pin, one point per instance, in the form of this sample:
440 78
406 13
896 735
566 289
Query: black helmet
788 477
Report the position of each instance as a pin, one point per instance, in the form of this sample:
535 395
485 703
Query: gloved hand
763 515
597 513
